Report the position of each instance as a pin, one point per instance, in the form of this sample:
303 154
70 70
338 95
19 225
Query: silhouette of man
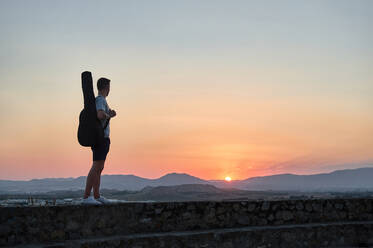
100 151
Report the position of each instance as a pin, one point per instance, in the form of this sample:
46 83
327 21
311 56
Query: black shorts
101 150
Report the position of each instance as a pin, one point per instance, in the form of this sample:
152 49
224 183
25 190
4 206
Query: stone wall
21 225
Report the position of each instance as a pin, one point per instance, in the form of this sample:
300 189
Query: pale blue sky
308 34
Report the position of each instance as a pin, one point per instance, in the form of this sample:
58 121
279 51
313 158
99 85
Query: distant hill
195 192
183 192
118 182
340 180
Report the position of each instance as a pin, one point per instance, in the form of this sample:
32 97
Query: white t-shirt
101 104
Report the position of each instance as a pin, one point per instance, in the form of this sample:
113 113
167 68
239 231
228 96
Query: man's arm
100 105
102 115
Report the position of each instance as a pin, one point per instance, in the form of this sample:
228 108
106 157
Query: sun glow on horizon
228 179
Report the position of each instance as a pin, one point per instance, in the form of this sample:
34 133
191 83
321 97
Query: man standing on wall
100 151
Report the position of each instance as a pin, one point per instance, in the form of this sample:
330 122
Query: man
100 151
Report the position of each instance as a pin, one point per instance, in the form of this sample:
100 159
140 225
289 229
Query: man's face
107 90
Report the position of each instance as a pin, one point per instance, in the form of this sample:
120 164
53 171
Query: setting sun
228 179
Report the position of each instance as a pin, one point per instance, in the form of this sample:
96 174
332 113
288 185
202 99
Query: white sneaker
103 200
90 201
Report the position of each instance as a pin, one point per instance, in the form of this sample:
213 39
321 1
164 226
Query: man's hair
102 83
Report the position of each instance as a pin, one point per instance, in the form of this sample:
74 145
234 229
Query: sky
208 88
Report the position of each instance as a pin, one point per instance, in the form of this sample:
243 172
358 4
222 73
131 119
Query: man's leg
94 176
96 186
93 179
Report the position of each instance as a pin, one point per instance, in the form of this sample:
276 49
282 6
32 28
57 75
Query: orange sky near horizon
224 132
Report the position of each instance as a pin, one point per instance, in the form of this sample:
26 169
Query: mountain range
339 180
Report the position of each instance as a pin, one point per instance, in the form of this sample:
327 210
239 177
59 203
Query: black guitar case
90 130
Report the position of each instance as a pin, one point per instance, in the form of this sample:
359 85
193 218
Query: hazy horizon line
179 173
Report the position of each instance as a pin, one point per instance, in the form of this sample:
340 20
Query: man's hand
112 113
